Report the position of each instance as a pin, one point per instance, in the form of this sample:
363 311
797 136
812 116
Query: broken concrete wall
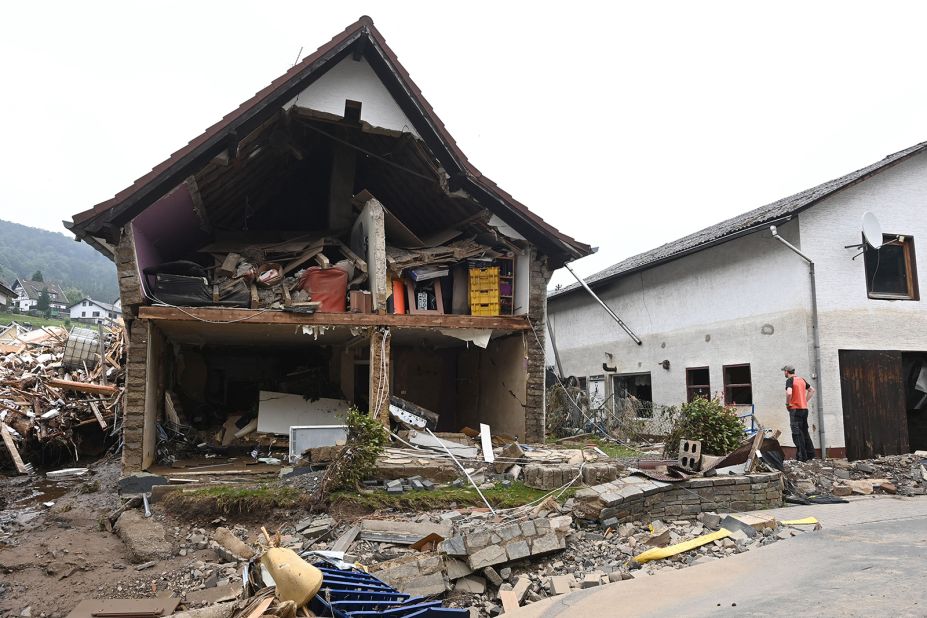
510 542
635 498
537 315
492 385
133 428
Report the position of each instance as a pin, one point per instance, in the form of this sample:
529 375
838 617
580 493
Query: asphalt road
871 561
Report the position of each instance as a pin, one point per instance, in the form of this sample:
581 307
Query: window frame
692 388
910 266
728 400
647 409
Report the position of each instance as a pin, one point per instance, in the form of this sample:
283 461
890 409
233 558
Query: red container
328 286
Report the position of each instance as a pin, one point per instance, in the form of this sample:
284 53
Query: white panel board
277 412
303 438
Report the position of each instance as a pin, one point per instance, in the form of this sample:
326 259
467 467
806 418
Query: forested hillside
75 265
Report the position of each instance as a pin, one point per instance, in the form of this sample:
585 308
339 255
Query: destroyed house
325 244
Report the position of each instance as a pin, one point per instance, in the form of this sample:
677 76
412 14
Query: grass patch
22 318
618 451
227 500
442 497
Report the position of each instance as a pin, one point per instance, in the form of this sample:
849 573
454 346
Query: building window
83 314
891 270
697 383
738 389
84 303
96 314
633 395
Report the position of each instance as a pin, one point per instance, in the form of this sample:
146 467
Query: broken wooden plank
229 265
96 413
345 540
21 467
83 387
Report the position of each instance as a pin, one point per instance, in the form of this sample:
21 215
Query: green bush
706 420
358 460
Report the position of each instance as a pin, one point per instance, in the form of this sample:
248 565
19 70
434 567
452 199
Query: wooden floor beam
257 316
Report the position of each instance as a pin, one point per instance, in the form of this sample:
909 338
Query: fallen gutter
608 309
817 340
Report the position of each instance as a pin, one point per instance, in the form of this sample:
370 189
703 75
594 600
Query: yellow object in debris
807 521
658 553
296 579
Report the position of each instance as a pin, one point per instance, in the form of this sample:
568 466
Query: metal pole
817 340
553 344
606 307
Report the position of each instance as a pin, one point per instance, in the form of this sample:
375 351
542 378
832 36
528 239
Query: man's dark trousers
798 422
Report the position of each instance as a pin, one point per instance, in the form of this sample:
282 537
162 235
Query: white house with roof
29 292
720 311
94 311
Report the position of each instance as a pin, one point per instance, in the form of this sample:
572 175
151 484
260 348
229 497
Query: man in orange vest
797 393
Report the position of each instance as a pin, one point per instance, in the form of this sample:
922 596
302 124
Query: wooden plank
448 321
229 265
21 467
96 413
345 540
83 387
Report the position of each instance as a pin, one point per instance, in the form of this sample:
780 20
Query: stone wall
537 315
553 476
483 548
635 497
133 427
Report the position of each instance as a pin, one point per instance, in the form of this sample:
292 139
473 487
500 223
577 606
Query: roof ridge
795 203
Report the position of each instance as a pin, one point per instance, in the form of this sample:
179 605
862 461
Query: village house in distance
721 311
28 293
236 254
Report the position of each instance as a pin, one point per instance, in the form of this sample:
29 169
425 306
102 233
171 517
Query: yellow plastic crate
484 297
484 279
484 309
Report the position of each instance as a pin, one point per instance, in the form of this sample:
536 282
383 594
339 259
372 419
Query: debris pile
53 384
905 475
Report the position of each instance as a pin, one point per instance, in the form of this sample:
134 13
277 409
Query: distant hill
74 265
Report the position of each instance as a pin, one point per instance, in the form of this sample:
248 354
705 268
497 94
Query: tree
74 295
37 276
44 302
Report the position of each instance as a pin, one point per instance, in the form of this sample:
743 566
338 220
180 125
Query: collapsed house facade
720 311
237 255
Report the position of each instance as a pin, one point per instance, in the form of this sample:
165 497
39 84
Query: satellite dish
872 230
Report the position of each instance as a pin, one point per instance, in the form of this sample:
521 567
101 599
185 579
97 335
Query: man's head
788 370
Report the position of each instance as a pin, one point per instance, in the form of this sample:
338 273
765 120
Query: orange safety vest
799 398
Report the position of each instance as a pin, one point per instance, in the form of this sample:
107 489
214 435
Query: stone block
547 543
518 549
560 584
521 587
456 568
476 540
472 584
493 576
488 556
509 532
528 528
454 546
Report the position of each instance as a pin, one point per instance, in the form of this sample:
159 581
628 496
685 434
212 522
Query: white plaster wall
355 80
708 309
848 318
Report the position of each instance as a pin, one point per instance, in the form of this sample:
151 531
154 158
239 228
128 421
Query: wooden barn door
874 415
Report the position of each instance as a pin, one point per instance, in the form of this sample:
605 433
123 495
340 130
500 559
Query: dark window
83 314
891 270
738 389
697 383
96 314
634 394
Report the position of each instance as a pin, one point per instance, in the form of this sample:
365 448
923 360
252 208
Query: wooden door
874 416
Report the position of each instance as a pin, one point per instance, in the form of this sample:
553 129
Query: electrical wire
199 319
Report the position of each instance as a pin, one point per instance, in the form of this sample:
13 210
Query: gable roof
101 305
5 289
33 289
748 222
360 37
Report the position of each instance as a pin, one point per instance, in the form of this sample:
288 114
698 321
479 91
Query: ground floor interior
213 377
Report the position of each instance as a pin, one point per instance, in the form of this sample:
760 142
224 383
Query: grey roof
736 226
33 290
101 305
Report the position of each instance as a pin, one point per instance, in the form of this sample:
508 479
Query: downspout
817 340
608 309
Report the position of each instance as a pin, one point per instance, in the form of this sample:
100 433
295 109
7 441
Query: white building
722 310
28 294
94 311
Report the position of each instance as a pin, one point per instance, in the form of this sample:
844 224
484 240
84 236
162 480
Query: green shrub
706 420
358 460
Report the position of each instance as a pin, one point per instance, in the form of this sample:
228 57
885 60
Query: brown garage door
874 416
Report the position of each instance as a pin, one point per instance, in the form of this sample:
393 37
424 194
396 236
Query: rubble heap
49 388
905 475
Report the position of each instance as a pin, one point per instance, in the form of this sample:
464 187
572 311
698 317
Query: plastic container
484 291
83 346
328 286
485 309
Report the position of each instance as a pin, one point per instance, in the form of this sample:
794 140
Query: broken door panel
873 393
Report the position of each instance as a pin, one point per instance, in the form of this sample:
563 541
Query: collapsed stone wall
636 498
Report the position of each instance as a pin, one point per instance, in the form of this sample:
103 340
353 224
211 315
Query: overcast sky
625 125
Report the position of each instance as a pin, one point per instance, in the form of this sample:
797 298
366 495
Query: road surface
870 559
